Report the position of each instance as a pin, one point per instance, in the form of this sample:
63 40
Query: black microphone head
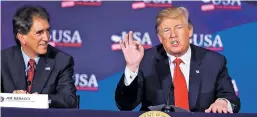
168 108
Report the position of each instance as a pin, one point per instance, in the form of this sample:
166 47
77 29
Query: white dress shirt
184 66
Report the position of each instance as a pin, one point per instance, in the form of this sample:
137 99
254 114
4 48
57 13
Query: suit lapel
195 76
164 74
43 69
17 68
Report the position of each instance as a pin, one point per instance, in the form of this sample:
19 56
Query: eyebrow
174 26
40 31
178 25
166 28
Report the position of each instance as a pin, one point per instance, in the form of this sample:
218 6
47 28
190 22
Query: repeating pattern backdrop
90 30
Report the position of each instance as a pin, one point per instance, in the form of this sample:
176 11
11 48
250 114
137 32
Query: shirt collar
26 58
185 58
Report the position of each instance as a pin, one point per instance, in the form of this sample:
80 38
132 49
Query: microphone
167 107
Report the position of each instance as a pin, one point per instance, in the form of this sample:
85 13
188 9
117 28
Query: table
26 112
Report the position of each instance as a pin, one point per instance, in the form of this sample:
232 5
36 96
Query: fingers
225 110
126 40
214 108
122 45
136 45
137 42
209 109
131 42
139 46
20 92
230 111
219 110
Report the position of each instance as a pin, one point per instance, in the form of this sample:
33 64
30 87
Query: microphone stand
167 107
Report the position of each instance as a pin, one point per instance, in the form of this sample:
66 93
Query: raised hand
133 51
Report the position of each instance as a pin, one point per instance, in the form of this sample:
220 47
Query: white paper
24 100
157 107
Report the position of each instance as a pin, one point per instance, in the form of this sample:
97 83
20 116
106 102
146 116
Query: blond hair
171 13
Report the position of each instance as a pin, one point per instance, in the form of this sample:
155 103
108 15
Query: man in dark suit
33 66
197 78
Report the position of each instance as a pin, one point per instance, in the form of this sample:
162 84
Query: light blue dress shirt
26 61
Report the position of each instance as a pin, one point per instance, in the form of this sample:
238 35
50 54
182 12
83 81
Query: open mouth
175 43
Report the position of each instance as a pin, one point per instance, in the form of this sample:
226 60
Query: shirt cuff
129 76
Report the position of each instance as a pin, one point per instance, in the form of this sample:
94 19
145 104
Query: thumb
140 47
209 109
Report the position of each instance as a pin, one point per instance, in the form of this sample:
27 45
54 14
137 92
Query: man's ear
160 37
21 38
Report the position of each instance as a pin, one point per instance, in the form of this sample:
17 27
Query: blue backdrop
90 31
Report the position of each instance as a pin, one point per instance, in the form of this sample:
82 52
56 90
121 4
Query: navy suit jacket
56 81
152 84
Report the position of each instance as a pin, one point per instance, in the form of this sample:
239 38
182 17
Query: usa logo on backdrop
86 82
208 41
151 3
72 3
67 38
221 4
142 37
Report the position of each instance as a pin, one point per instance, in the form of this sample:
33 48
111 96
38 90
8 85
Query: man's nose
46 36
173 33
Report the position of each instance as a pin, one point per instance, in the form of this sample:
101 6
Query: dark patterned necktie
31 73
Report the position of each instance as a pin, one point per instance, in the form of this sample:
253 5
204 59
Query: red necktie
31 73
180 87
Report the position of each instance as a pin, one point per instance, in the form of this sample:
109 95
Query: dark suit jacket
57 82
151 86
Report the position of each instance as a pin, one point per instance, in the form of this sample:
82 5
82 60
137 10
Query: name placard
24 100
